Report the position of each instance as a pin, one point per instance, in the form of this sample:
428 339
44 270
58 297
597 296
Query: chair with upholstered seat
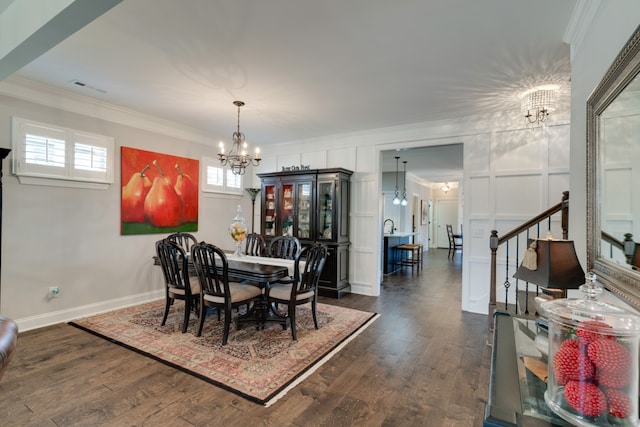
286 247
455 241
174 262
212 268
302 290
8 341
254 245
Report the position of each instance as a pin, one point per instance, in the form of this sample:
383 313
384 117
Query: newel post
493 245
565 215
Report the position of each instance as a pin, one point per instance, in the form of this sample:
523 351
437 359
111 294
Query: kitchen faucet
393 227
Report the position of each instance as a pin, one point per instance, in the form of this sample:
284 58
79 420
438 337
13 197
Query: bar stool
409 249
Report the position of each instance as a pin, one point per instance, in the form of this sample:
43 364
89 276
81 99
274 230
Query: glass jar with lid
238 230
593 359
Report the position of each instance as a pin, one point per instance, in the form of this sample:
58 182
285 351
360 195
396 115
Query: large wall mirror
613 175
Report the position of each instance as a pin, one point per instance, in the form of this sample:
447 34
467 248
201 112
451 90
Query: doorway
446 213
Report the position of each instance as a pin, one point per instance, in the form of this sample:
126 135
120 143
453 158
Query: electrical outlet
54 291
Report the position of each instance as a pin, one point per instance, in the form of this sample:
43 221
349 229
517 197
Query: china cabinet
312 205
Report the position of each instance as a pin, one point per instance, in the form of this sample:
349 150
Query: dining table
258 271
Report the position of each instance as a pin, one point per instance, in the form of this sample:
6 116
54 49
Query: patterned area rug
259 365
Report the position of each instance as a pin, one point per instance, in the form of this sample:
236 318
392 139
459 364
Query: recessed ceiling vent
87 86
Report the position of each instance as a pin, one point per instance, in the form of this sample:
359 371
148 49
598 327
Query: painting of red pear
159 192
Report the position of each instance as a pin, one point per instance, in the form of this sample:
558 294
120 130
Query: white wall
70 238
592 55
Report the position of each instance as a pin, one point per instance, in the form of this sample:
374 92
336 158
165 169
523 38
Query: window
219 179
52 155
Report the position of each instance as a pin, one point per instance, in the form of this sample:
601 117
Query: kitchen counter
400 234
390 242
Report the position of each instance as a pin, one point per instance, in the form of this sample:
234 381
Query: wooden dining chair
302 290
287 247
455 241
184 240
175 269
217 291
254 245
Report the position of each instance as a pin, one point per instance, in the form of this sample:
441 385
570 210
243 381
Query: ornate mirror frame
622 281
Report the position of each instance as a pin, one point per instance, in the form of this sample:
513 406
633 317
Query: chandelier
237 157
404 187
536 104
396 199
446 187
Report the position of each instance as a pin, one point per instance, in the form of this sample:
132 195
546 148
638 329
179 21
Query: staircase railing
513 238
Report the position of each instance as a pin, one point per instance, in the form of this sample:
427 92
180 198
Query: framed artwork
424 212
159 192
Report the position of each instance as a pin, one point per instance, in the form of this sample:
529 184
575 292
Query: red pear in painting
163 207
133 195
188 192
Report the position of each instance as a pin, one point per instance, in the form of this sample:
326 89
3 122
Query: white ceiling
309 68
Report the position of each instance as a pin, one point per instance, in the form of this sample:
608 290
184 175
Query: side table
516 394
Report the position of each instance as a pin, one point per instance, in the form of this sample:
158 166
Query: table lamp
553 265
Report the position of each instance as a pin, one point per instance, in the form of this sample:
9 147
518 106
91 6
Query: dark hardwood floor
424 362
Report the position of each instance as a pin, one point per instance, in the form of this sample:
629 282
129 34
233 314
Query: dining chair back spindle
254 245
217 291
302 290
174 262
184 240
287 247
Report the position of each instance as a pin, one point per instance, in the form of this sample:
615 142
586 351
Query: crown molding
583 13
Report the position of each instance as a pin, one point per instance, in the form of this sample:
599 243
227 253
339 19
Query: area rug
259 365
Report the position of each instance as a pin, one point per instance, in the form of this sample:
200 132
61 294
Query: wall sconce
537 103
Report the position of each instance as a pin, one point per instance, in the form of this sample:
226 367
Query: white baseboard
69 314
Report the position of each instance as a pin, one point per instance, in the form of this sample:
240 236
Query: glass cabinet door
270 210
304 213
287 210
325 210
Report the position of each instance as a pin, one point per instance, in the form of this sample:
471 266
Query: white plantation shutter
52 155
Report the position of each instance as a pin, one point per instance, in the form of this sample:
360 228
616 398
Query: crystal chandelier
237 157
536 104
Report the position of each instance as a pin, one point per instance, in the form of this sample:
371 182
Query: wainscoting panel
519 195
479 195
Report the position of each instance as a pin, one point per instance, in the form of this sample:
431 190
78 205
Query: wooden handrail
495 241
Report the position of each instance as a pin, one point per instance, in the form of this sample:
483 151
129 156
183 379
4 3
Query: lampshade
635 259
557 265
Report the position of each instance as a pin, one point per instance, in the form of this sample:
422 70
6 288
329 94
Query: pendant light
396 199
404 187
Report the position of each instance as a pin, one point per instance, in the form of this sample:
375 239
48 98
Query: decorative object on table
159 193
553 265
266 363
238 230
253 192
237 157
593 359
